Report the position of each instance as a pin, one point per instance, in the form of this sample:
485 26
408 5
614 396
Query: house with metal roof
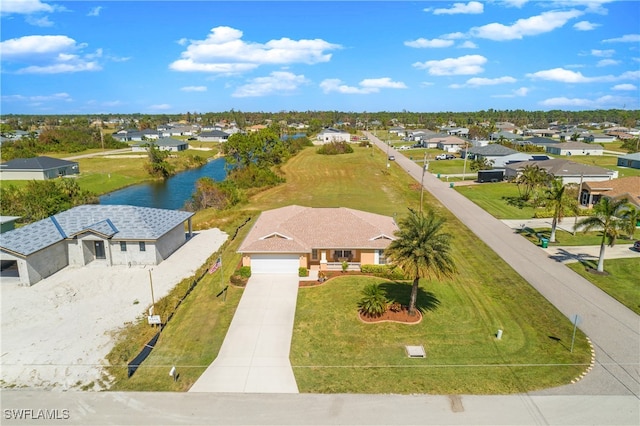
330 134
491 152
94 234
213 136
37 168
163 144
575 148
285 239
630 160
568 171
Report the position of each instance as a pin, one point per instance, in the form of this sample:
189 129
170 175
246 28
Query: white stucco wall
42 264
170 242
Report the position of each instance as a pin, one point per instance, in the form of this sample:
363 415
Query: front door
99 249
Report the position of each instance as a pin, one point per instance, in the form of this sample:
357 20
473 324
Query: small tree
559 200
374 301
158 165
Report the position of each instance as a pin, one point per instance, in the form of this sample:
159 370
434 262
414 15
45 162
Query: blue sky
152 57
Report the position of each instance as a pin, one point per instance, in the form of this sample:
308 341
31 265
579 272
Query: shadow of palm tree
400 292
515 202
563 255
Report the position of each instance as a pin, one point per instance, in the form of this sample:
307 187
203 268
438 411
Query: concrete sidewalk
254 357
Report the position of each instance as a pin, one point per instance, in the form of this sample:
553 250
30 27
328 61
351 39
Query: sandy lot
56 333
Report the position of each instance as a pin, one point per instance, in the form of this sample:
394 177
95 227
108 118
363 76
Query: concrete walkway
254 357
613 329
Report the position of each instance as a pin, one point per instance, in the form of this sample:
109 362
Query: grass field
495 199
333 352
605 161
621 283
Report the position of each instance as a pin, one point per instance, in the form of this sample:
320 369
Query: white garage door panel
275 263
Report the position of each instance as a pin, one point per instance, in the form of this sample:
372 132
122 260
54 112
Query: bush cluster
335 148
384 271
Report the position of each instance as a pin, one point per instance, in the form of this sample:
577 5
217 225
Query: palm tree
632 218
608 217
421 250
559 201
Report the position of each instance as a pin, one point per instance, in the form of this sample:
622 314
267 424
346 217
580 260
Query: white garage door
275 263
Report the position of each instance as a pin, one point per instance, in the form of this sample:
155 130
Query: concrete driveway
254 357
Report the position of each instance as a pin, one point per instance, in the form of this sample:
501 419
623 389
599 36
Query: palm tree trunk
601 258
414 296
554 224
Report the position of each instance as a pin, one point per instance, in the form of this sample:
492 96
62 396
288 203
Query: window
382 259
143 246
314 254
342 253
123 246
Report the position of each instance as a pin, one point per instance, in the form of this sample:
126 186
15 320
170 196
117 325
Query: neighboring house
285 239
599 138
398 130
450 143
330 134
568 171
491 152
213 136
37 168
163 144
540 141
501 162
542 133
8 223
626 187
103 234
574 148
503 134
630 160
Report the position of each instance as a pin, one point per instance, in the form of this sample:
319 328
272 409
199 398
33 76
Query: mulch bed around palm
401 316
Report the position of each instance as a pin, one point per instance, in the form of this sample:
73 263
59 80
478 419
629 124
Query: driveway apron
254 357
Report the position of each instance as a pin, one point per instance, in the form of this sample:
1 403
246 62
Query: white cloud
607 62
523 91
515 3
365 87
464 65
194 89
62 96
627 86
95 11
39 22
629 38
454 36
224 51
49 54
479 81
473 7
25 7
603 53
540 24
424 43
601 102
560 74
468 45
160 107
585 26
278 82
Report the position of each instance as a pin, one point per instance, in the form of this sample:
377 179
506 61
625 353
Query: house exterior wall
22 175
246 260
169 243
626 162
368 257
42 264
560 151
133 255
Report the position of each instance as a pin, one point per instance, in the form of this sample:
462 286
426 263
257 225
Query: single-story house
574 148
330 134
568 171
163 144
503 134
491 152
450 143
37 168
8 223
101 234
630 160
501 162
213 136
285 239
543 133
599 138
626 187
540 141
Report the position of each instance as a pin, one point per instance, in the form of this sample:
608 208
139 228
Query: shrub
244 271
345 266
335 148
390 272
395 307
303 272
374 301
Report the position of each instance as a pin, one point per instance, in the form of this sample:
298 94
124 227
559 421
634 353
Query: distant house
163 144
285 239
37 168
540 141
503 134
450 143
599 138
491 152
626 187
8 223
330 134
568 171
574 148
213 136
501 162
102 234
630 160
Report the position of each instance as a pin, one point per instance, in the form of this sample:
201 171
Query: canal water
169 194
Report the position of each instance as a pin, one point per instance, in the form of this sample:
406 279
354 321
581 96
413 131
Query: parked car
392 158
636 245
445 157
403 148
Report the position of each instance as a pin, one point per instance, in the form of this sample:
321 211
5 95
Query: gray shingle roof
36 163
112 221
491 150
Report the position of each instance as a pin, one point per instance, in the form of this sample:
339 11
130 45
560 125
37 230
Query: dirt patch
401 316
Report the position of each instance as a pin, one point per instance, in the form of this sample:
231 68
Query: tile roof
298 229
35 163
627 187
110 221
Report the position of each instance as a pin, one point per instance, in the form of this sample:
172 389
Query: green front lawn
621 283
500 199
564 238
